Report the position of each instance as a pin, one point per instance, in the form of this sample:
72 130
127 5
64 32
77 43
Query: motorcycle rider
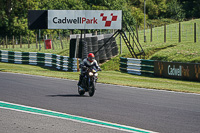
88 62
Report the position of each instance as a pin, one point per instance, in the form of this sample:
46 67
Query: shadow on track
68 95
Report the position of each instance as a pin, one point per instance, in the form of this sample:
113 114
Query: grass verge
109 77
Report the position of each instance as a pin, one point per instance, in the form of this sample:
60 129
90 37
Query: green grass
183 52
159 47
109 77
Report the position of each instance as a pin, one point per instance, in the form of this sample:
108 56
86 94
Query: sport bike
88 83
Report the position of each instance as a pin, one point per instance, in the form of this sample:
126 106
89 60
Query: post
6 42
3 43
195 33
36 43
61 40
52 41
39 40
144 19
84 35
80 46
179 32
78 69
165 33
28 42
120 44
76 47
44 41
137 33
20 41
151 34
13 41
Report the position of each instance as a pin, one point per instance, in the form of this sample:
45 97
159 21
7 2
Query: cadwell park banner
185 71
75 19
84 19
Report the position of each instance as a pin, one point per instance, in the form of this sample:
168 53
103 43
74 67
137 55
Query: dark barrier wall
186 71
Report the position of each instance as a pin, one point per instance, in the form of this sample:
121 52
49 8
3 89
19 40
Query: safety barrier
41 59
137 66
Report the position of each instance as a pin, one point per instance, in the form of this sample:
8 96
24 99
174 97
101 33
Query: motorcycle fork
90 81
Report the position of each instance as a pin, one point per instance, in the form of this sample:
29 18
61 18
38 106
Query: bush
175 10
161 22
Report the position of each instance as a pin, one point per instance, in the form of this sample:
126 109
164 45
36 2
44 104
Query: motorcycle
88 83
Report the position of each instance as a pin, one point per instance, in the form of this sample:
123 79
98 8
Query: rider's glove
84 67
99 69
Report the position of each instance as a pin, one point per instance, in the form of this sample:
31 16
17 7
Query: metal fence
178 32
33 42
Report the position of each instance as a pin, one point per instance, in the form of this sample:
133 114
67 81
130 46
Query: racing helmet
90 57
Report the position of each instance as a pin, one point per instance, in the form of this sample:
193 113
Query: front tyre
92 90
81 91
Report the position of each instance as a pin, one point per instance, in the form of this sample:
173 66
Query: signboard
37 19
84 19
187 71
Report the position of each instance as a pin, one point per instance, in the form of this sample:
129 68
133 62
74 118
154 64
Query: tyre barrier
41 59
137 66
102 52
114 47
95 47
84 49
108 49
89 44
93 44
107 35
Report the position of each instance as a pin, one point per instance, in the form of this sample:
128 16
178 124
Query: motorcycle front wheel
92 89
80 91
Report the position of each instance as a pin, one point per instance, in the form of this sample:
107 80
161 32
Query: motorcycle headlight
90 74
96 74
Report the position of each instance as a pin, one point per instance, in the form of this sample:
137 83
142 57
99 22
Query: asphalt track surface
159 111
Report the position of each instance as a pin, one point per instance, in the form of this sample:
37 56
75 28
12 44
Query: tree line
14 13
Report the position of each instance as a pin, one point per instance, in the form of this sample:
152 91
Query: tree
13 15
175 10
191 7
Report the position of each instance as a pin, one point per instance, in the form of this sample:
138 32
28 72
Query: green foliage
191 7
155 8
138 15
175 10
13 13
161 22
